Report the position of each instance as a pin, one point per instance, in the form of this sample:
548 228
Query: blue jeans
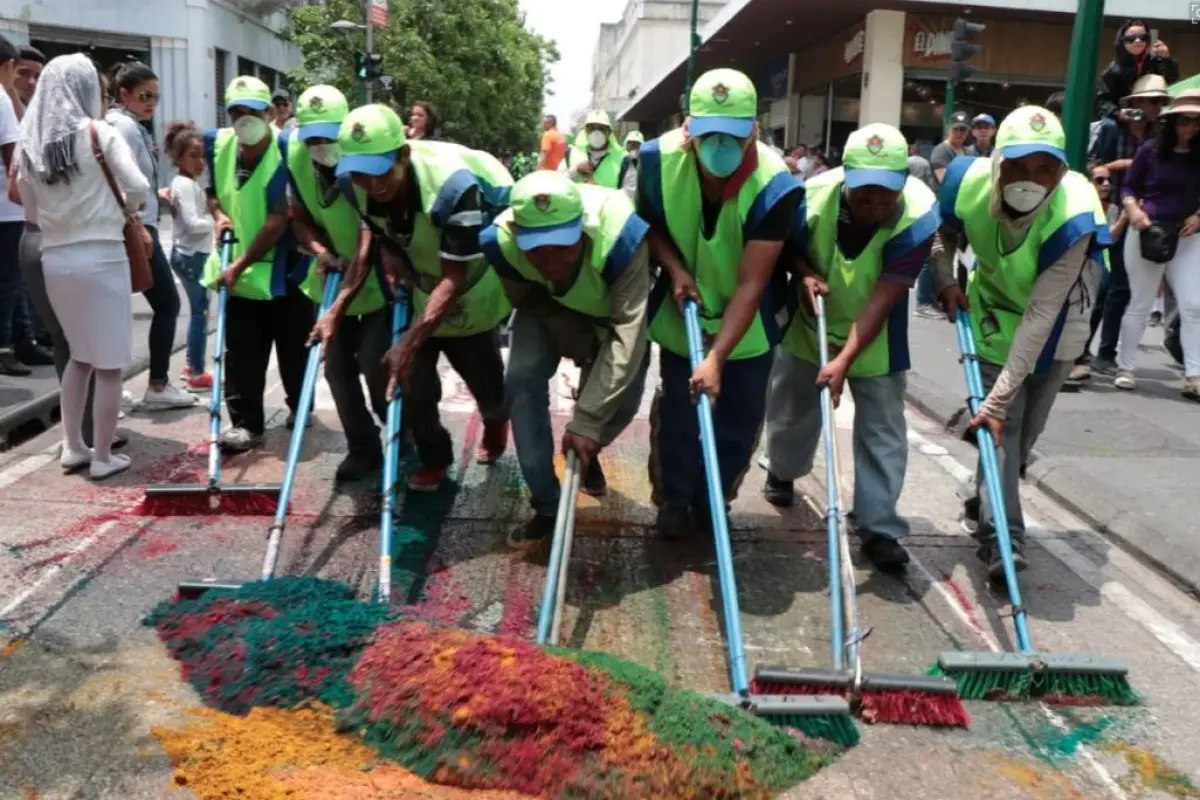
532 361
190 269
1116 300
880 438
925 287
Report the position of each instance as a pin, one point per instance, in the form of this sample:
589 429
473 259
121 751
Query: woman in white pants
1162 187
64 190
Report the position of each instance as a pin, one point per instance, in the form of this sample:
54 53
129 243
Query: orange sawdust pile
273 754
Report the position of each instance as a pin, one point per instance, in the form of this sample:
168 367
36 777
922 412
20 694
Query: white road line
53 570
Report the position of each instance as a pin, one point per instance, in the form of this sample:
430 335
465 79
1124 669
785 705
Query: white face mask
324 154
597 140
1024 196
250 130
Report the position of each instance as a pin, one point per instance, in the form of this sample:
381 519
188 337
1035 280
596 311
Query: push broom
554 592
877 697
819 716
391 461
213 497
1065 678
189 590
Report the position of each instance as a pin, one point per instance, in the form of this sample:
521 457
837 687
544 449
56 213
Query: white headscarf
67 99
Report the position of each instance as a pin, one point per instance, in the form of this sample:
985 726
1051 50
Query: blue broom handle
991 476
833 510
391 459
716 503
312 371
218 390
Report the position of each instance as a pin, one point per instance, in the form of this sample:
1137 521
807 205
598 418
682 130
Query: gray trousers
30 259
880 438
1025 422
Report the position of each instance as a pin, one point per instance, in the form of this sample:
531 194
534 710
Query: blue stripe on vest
899 357
210 150
632 234
779 187
1067 236
458 184
287 253
918 233
489 243
650 185
948 195
1046 359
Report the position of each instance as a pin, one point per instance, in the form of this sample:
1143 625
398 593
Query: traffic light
368 66
962 49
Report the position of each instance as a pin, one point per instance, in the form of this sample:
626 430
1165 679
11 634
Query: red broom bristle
770 687
1084 701
913 708
245 504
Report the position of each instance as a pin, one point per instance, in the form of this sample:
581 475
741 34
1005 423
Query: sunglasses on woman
147 97
1133 38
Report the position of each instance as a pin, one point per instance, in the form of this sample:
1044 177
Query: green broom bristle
1072 688
837 728
988 684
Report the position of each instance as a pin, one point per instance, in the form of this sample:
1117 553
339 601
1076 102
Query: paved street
83 682
1125 461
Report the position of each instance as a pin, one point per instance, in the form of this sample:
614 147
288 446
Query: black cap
282 94
960 119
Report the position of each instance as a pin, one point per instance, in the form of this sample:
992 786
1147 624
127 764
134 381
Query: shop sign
932 44
855 46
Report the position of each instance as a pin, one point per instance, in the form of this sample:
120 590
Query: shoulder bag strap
98 153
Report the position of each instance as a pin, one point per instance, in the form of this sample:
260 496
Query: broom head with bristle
817 716
192 500
911 700
1066 679
774 680
986 676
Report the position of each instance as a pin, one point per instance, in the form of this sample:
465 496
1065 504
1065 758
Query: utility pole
693 49
1080 98
370 45
962 50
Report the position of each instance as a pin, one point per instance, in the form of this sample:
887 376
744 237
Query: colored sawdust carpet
471 710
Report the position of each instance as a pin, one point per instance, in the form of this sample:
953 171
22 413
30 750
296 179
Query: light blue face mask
720 154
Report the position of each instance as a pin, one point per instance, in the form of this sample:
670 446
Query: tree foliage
485 73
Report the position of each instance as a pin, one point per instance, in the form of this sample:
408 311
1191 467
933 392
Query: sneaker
674 522
32 354
885 553
427 479
358 466
594 482
9 365
200 383
1155 319
970 516
493 444
1071 385
929 312
1191 389
100 470
167 398
1125 380
185 373
779 492
1103 366
240 440
1080 372
535 534
990 555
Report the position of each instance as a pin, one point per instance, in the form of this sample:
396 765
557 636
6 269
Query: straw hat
1186 102
1150 87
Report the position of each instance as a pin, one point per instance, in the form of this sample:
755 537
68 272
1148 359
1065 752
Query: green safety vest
339 220
1000 285
612 232
851 282
482 304
608 172
246 207
495 182
712 262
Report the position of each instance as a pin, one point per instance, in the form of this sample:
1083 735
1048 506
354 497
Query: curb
1070 488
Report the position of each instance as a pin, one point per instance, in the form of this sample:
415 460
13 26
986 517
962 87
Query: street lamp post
693 49
346 27
1080 96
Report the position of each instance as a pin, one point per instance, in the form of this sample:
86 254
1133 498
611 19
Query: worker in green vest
423 205
867 231
596 156
720 206
495 181
248 195
575 264
1039 233
633 143
327 227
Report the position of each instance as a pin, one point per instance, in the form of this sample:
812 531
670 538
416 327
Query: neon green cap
722 101
319 113
248 91
547 210
1031 129
876 155
368 140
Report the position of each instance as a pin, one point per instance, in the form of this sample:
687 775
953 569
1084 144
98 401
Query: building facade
634 51
195 46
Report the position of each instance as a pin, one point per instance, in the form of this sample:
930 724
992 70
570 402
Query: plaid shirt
1119 145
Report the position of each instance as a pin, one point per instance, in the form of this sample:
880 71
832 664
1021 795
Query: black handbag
1158 243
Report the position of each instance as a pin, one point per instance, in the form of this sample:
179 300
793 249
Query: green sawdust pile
474 710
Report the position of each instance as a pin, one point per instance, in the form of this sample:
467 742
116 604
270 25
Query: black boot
9 365
779 492
594 482
533 535
357 466
674 522
886 554
32 354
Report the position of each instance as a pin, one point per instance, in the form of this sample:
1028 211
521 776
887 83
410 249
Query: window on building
268 76
220 57
246 66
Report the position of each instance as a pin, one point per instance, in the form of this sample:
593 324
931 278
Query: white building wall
181 34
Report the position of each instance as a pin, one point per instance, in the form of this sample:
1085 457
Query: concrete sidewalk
1127 462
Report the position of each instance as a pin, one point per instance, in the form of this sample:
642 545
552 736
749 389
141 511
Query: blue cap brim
887 178
1022 150
256 105
374 164
320 130
563 234
737 127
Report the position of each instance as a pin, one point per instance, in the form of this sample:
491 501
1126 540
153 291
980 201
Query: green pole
947 107
693 49
1080 98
